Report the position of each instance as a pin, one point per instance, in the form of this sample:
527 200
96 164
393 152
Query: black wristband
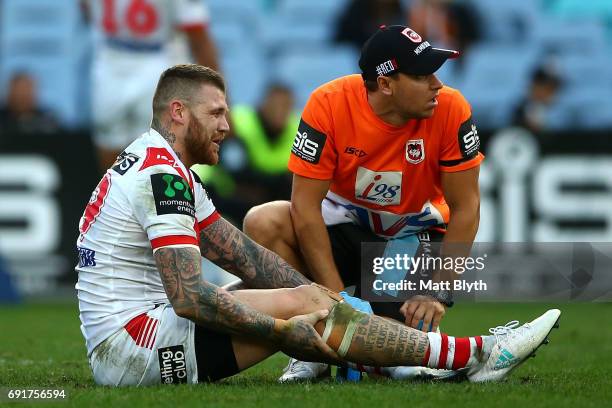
443 296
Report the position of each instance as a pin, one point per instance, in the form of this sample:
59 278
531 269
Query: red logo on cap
412 35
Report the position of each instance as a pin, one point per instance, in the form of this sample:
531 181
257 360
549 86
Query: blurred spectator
21 113
454 24
531 112
254 162
133 46
361 18
268 130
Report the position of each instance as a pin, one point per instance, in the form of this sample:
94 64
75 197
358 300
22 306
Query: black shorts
346 240
215 356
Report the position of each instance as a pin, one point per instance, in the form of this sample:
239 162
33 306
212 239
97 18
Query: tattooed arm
195 299
258 267
210 306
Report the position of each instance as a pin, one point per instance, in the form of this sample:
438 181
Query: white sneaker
512 345
420 373
298 370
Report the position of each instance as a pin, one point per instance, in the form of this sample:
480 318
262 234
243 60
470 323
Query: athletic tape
347 339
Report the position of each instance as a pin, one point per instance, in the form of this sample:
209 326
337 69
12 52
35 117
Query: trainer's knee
267 222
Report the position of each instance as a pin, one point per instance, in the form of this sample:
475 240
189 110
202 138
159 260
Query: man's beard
199 147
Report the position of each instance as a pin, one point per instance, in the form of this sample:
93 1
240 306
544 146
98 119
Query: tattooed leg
373 340
281 304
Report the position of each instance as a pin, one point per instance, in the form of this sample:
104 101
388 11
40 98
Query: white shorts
153 348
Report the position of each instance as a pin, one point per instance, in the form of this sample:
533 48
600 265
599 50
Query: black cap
398 48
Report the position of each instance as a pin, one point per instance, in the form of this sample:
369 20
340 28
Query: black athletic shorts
215 356
346 242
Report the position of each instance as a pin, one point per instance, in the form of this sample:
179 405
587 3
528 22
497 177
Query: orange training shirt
383 177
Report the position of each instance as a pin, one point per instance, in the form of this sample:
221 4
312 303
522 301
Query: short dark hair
371 84
180 82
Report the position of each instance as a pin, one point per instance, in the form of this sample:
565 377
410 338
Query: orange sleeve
460 147
313 153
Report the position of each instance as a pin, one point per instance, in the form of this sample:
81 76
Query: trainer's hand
299 339
423 308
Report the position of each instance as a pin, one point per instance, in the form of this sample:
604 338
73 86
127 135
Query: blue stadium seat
324 11
245 72
300 24
306 71
559 35
577 109
508 21
582 8
586 73
494 80
45 38
230 37
280 35
242 12
586 95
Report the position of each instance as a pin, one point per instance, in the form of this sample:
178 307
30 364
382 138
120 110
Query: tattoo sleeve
204 303
258 267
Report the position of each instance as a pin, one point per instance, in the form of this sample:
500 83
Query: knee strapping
340 327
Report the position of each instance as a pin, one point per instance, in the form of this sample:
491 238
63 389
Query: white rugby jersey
147 200
144 25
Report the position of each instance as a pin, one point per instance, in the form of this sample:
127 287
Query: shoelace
507 329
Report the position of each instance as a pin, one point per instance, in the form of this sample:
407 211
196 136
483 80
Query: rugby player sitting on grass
149 317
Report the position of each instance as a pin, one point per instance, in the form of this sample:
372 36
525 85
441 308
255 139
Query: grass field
41 347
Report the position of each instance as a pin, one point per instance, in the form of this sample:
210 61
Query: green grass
41 347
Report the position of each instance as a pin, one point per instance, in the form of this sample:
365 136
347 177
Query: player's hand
423 313
299 339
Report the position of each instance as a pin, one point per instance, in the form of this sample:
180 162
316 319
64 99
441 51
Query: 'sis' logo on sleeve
308 143
469 141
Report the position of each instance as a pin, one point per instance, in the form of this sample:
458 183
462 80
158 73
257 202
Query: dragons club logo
415 151
412 35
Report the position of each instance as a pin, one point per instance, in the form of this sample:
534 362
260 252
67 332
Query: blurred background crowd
536 72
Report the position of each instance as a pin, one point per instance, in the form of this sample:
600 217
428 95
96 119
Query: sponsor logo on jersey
124 162
415 151
412 35
172 365
172 195
469 142
308 143
379 187
87 257
355 151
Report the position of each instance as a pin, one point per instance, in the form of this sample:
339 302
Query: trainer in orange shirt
378 156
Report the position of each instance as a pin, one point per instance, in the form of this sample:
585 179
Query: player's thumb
319 315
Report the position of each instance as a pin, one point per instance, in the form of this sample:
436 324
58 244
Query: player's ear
178 111
384 85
